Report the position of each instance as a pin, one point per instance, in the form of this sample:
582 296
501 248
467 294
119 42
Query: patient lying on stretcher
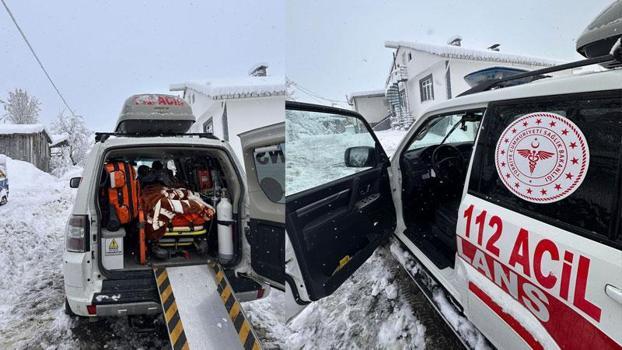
168 203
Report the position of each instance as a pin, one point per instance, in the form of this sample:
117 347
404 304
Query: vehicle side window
592 210
270 170
436 129
316 146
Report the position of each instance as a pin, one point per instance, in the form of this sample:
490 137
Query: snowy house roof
24 129
59 140
459 52
245 87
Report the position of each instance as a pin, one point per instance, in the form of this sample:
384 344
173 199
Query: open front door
339 206
264 159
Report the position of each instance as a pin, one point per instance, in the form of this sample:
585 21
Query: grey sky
101 52
337 47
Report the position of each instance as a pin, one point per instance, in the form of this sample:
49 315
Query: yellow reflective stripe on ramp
248 339
173 322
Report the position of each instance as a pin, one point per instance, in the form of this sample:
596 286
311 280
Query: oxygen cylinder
224 217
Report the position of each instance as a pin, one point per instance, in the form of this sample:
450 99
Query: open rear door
264 159
338 205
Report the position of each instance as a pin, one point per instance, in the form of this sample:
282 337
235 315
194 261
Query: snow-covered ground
31 241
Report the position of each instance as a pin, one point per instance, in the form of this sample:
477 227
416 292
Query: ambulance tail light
91 309
260 293
77 233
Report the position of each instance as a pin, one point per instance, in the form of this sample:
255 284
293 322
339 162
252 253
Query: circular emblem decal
542 157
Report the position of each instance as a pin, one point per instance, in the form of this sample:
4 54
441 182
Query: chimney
259 70
494 47
455 40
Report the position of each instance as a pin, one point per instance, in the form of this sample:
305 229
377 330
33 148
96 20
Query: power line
312 94
37 58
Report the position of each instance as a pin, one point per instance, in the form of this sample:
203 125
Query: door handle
614 293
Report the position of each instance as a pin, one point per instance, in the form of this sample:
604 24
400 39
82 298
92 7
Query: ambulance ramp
200 309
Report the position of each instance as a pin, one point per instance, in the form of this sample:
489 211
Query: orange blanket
163 205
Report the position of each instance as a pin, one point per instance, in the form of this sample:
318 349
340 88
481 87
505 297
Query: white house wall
250 113
422 64
437 69
374 109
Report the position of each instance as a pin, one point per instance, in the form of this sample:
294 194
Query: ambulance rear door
264 159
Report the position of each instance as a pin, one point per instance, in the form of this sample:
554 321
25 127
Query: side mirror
360 157
74 182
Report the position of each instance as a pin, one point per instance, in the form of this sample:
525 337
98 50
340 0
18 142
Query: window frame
382 157
445 114
613 238
426 91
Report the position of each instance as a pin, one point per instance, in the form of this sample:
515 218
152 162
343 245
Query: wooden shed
27 142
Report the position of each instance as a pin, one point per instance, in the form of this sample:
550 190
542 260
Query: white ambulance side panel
545 283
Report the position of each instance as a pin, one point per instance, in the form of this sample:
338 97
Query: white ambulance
508 199
108 272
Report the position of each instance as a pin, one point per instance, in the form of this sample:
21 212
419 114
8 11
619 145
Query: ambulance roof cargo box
600 35
154 114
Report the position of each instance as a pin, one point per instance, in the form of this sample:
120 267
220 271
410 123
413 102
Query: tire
4 200
68 309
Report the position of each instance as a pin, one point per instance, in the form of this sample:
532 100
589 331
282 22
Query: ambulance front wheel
4 200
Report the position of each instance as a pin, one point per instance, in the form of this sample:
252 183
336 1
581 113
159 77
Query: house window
426 88
208 126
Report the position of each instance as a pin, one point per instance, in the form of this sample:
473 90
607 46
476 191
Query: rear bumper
139 296
141 308
120 298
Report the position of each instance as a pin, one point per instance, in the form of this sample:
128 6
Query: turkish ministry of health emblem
542 157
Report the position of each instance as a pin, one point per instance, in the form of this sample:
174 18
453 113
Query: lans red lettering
536 301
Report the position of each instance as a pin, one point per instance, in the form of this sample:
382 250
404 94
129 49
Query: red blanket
163 205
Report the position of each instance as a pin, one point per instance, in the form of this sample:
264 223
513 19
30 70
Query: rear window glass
592 209
270 170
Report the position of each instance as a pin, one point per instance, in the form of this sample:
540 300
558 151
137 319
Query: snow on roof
6 129
367 93
57 140
9 129
220 89
460 52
